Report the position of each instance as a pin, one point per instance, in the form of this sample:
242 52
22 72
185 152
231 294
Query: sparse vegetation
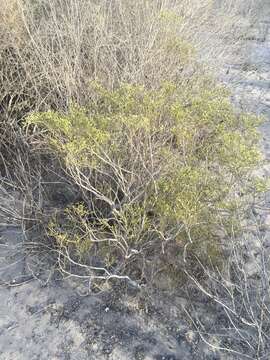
114 102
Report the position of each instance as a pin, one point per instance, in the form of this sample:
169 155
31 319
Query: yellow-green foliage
75 234
170 161
77 137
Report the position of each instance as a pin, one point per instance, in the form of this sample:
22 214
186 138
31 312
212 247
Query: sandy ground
54 321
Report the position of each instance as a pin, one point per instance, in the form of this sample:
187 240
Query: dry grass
49 51
12 22
59 47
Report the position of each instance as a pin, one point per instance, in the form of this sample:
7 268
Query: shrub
156 165
156 168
